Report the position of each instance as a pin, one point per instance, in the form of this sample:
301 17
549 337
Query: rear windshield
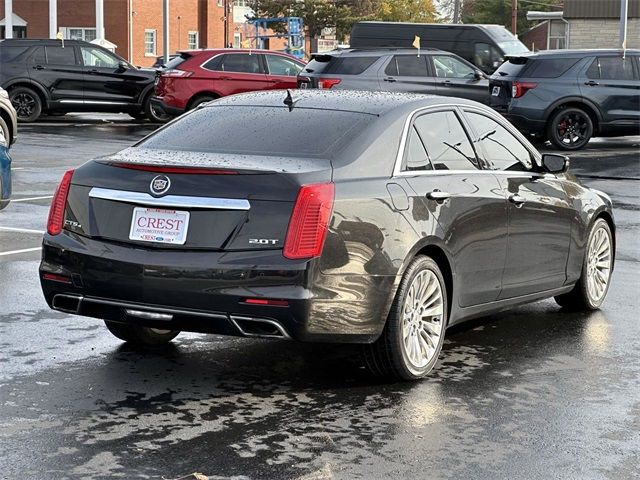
339 65
550 67
252 130
512 67
174 62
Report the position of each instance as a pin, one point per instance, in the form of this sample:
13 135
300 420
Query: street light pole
100 19
165 30
53 18
226 23
8 18
624 5
514 17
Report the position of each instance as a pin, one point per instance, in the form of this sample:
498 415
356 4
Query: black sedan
358 217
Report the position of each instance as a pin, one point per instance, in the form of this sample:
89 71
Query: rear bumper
525 124
204 291
168 109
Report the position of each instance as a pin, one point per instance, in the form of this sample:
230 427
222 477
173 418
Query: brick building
134 26
583 24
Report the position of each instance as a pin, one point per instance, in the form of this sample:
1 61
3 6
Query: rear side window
417 158
9 54
350 65
550 67
61 56
446 141
235 62
512 67
611 68
244 130
407 66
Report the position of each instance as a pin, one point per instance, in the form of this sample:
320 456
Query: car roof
44 41
248 51
377 51
575 52
367 102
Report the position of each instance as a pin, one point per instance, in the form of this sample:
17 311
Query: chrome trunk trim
178 201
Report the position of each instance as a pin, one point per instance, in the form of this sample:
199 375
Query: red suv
197 76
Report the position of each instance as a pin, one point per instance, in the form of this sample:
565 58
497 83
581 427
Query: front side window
61 56
150 43
407 66
446 141
502 150
611 68
449 67
95 57
282 66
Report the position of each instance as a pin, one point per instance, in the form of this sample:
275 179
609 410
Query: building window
240 3
557 35
192 40
149 43
237 40
79 33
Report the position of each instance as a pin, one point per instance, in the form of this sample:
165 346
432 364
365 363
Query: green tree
499 11
419 11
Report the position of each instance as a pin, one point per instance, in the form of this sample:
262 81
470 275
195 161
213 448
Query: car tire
199 101
27 104
138 335
5 134
570 128
411 341
154 114
597 265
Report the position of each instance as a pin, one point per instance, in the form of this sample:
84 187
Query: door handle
93 70
517 200
438 196
38 67
591 83
389 79
447 82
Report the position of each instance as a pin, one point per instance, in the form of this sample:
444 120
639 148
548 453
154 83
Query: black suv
52 77
569 96
396 70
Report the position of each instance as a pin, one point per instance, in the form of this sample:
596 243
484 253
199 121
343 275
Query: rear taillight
518 89
175 73
327 83
309 221
58 204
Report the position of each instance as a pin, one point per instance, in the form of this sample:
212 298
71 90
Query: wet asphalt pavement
530 393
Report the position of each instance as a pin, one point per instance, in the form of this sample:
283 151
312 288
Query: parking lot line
24 250
31 198
21 230
16 168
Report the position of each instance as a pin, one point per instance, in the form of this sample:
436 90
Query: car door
282 72
236 73
60 73
540 212
612 83
456 78
407 73
442 169
108 79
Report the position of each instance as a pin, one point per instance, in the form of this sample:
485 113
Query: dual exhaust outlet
247 326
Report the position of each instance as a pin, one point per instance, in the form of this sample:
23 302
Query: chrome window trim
179 201
226 71
397 172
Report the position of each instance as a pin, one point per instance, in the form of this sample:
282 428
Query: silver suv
429 71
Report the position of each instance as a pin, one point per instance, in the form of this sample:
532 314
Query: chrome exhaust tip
259 327
67 303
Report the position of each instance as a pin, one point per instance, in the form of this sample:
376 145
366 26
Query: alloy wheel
24 104
422 319
598 264
573 128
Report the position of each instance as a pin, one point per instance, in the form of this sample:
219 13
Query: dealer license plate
496 91
159 226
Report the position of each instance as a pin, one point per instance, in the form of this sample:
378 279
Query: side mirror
123 66
478 75
555 163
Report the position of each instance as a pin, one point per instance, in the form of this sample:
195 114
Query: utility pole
165 30
53 18
514 17
100 19
226 23
8 18
624 5
456 11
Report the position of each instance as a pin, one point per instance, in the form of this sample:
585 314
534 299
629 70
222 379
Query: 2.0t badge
160 185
